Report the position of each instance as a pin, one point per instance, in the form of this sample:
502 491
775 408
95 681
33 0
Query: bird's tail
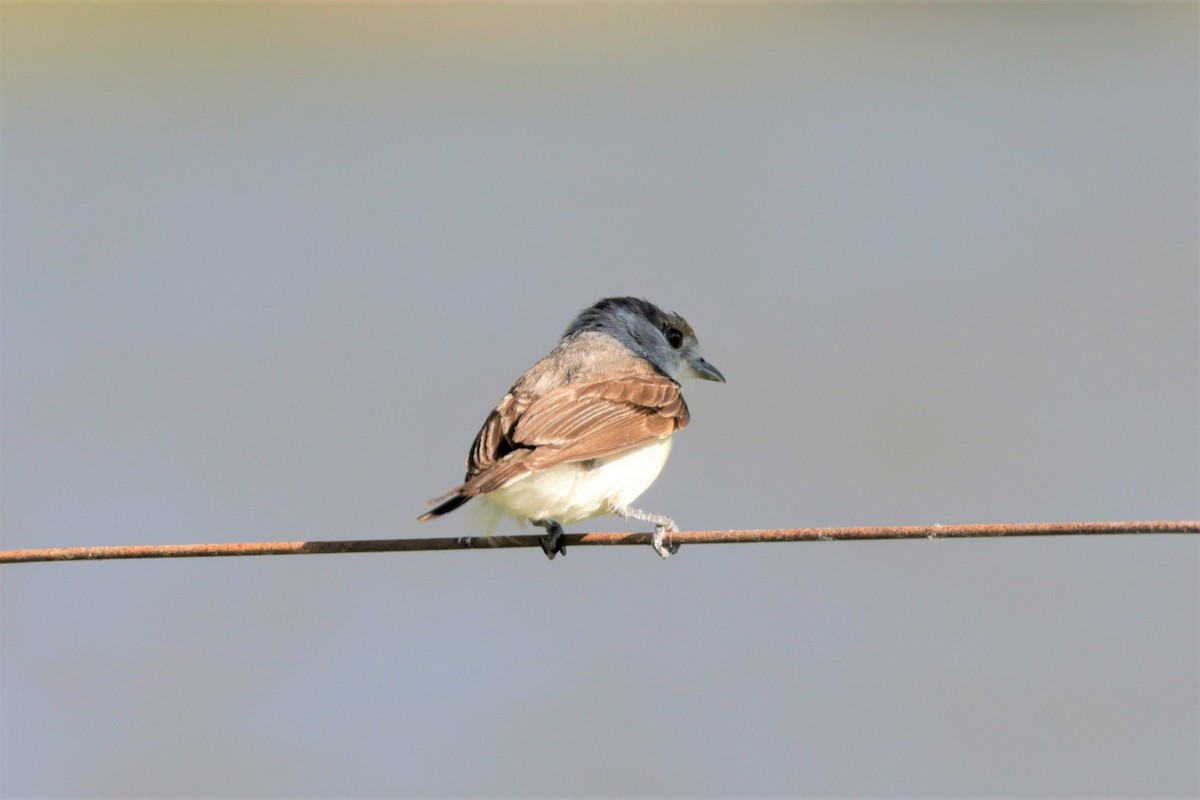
446 504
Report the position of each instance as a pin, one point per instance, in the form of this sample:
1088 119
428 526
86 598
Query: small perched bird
588 428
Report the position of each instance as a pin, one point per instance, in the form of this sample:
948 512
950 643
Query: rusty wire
594 539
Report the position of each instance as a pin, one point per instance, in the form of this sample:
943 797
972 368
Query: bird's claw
656 541
552 540
552 545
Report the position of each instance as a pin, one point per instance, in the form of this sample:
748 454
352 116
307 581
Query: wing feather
575 422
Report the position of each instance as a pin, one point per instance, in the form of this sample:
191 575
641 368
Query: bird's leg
662 525
552 542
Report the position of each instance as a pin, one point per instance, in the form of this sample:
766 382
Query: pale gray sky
267 267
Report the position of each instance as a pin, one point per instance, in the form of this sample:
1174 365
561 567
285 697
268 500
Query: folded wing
576 422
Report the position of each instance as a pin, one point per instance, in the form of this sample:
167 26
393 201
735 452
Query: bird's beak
706 371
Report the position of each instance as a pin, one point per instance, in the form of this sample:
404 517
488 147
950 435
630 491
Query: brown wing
494 439
572 423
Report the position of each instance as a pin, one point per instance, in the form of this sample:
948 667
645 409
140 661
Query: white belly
582 489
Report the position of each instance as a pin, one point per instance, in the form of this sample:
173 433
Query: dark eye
674 338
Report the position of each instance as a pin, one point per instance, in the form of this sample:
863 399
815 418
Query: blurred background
267 267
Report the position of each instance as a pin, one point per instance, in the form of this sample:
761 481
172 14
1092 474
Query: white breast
582 489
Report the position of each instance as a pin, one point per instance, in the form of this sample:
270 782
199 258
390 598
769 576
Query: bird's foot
662 526
656 541
551 542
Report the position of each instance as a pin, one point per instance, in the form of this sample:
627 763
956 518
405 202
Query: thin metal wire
596 539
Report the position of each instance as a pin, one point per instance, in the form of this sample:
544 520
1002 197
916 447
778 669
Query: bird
588 428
